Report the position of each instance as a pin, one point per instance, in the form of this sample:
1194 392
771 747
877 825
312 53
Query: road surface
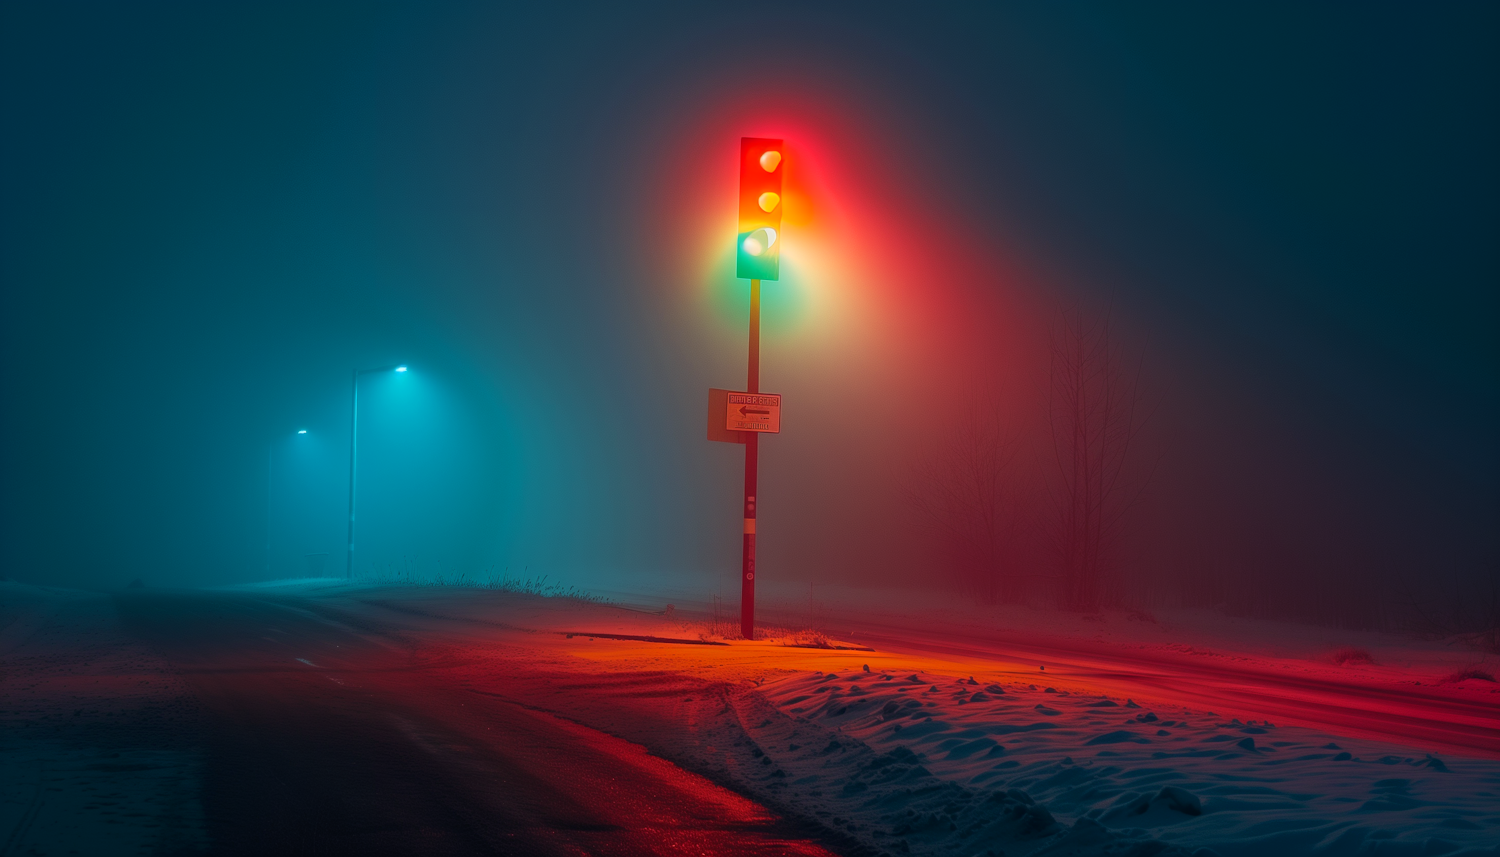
324 738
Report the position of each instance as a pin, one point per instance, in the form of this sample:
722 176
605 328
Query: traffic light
758 252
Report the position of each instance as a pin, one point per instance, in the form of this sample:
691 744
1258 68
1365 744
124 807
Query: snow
916 748
1179 776
916 757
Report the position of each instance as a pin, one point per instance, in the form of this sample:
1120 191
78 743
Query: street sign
753 412
718 400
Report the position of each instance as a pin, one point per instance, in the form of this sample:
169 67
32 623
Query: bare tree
1093 419
1466 612
967 495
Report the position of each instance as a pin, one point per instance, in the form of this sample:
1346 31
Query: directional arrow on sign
751 412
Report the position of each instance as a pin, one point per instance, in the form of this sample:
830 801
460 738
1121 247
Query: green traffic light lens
759 241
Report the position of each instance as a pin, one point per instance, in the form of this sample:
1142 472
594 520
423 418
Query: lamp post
752 468
270 447
354 454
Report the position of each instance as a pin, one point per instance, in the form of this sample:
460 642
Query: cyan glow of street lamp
301 431
354 453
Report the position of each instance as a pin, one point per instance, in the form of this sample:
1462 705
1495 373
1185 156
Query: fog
1283 219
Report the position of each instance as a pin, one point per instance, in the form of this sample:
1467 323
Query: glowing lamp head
758 254
301 431
400 368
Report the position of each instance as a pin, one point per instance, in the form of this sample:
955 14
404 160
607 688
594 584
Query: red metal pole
752 456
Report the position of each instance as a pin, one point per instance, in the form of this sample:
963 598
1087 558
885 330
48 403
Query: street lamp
270 448
353 453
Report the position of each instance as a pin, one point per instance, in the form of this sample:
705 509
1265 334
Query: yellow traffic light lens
769 160
768 201
760 241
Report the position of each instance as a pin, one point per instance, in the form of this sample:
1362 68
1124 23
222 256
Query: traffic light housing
758 250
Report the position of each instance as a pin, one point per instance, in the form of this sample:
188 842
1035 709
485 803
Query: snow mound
1016 770
889 798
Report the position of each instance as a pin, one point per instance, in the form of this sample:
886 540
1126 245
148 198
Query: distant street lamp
354 454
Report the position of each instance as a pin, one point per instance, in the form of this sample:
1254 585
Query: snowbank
917 757
1183 777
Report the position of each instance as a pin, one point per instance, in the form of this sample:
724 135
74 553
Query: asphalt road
325 738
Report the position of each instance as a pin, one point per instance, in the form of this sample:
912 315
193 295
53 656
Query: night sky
212 213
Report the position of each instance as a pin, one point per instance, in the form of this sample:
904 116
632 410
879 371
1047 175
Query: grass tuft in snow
1351 655
503 582
1464 675
723 624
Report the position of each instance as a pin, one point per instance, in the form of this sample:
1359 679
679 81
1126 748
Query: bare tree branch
967 496
1093 417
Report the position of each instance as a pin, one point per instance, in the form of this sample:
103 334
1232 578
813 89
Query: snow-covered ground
930 753
916 748
1180 776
